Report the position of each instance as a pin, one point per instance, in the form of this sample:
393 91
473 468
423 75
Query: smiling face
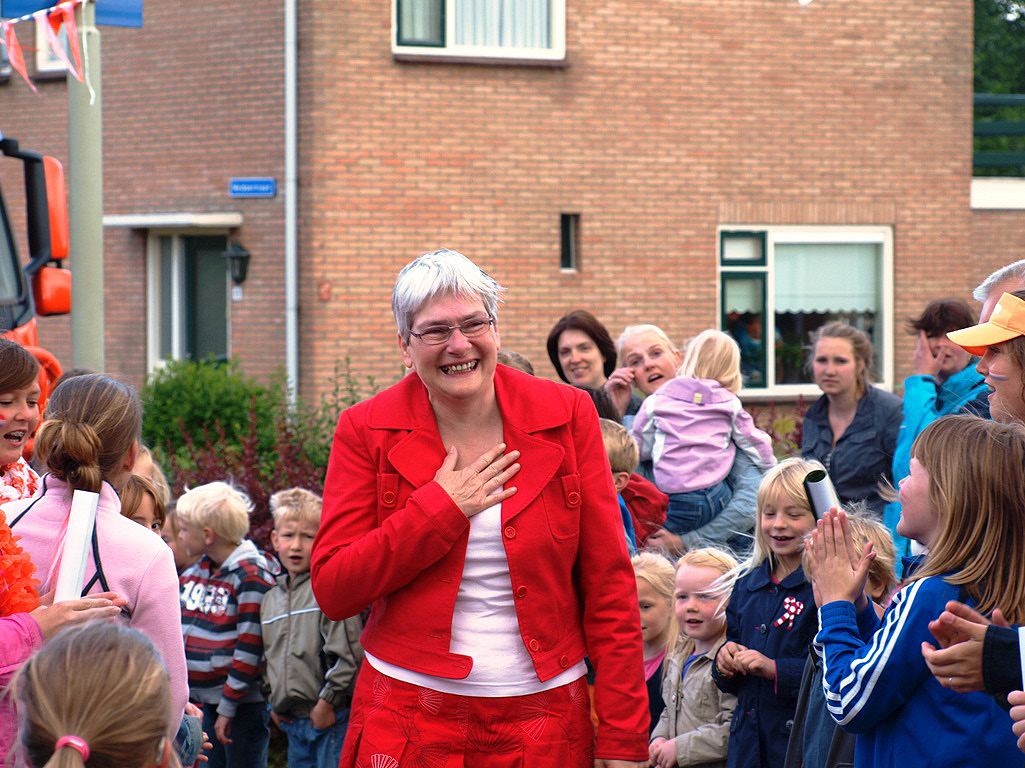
655 614
783 526
918 520
835 367
581 361
460 368
699 611
1004 378
19 417
293 539
652 361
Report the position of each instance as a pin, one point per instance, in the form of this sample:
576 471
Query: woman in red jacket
472 507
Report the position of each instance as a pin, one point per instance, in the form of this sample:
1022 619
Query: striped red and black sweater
221 625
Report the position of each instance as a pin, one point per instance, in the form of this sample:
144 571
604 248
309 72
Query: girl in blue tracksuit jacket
770 623
962 500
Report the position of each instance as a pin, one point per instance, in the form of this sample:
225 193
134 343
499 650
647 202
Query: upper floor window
778 284
497 29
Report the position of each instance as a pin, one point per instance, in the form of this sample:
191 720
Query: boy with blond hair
622 452
311 661
220 599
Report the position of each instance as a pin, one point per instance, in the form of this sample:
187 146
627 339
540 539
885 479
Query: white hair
1015 271
437 273
633 330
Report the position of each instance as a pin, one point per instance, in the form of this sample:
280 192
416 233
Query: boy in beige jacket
312 662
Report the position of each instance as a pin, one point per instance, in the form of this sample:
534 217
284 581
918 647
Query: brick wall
670 119
998 238
190 101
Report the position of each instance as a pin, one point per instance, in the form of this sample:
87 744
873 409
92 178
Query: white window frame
153 314
555 53
876 235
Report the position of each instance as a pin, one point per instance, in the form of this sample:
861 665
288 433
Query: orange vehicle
43 286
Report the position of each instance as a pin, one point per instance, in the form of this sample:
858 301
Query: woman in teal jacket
945 381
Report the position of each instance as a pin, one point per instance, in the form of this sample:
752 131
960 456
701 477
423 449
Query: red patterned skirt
398 725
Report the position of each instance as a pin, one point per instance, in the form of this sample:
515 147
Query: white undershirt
485 627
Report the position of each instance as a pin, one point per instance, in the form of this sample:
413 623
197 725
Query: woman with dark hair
852 428
945 381
584 355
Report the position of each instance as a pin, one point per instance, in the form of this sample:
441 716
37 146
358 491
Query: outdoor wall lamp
238 261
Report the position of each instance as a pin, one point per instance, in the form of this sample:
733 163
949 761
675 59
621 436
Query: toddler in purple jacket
691 427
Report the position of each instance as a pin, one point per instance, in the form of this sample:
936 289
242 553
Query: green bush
208 421
198 398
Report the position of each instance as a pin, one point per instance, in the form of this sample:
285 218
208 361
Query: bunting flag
50 20
46 23
67 13
14 54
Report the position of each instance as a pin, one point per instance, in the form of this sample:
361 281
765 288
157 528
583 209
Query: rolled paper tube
821 493
1021 652
77 543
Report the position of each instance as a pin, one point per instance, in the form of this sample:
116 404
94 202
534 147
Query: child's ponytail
97 695
69 752
72 453
91 423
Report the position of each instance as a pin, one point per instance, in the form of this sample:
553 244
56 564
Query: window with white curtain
779 284
527 29
187 297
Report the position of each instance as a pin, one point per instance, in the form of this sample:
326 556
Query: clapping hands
839 570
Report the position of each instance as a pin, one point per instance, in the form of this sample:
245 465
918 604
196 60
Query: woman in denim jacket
852 429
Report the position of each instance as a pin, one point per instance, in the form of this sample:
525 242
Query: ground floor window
187 297
778 284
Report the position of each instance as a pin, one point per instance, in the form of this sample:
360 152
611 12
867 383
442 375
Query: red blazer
392 537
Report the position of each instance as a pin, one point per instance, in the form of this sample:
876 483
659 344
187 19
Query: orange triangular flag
67 11
51 25
14 54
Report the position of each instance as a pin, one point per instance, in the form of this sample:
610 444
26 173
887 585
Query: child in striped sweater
220 600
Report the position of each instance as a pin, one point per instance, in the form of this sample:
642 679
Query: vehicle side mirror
51 291
57 203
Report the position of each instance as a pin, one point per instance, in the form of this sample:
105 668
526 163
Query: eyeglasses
439 334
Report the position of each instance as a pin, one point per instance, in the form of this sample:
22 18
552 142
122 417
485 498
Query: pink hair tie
77 743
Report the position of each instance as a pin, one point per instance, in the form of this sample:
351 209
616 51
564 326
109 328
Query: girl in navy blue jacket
770 622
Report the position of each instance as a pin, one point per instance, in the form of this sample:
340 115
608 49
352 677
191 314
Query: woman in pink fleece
24 623
89 442
690 428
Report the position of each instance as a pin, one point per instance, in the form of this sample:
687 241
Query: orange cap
1007 322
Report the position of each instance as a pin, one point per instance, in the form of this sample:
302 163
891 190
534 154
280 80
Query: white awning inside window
827 277
742 294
